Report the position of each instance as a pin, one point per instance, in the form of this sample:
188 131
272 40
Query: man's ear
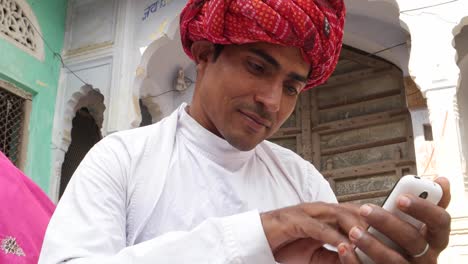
202 51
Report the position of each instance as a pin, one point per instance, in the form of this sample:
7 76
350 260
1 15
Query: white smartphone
409 184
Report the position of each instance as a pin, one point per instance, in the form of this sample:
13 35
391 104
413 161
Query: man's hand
434 234
296 234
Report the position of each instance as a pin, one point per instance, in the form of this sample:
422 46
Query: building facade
30 32
407 58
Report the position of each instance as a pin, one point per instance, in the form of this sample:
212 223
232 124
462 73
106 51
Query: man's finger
437 220
373 248
318 221
320 231
342 216
347 254
347 221
402 233
445 185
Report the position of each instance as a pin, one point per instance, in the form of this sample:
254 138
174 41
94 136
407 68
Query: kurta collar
216 148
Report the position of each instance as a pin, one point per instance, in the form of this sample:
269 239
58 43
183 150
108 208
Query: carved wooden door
355 129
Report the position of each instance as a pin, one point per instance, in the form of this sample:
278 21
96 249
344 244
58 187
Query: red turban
315 26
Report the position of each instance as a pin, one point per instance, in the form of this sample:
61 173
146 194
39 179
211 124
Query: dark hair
218 48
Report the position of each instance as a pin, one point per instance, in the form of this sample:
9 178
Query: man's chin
245 148
243 145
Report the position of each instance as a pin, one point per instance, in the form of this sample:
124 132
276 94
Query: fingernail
355 233
423 230
404 201
342 249
365 210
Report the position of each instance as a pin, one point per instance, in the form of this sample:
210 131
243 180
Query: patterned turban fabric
314 26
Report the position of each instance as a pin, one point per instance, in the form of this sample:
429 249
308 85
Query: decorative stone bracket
18 25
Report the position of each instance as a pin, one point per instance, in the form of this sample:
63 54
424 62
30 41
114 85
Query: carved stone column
443 114
434 69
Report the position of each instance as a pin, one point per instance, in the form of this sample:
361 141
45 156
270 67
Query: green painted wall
40 78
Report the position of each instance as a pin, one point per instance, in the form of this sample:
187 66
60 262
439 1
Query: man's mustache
260 111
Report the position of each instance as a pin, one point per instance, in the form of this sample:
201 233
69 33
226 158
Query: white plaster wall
89 53
92 23
432 54
157 23
99 74
462 98
114 31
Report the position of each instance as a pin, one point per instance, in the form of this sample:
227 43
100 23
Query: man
203 185
25 211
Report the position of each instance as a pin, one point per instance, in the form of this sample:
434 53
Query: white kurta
194 200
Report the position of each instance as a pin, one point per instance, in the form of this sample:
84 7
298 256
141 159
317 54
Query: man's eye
291 90
255 68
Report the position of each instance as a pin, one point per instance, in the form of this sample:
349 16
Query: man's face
248 92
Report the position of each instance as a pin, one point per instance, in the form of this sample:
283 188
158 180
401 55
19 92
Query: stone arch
19 26
86 97
155 79
366 20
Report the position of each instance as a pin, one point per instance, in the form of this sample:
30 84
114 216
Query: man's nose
270 97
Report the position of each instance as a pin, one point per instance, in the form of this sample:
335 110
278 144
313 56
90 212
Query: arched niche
157 73
86 97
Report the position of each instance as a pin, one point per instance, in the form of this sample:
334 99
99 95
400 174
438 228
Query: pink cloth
25 211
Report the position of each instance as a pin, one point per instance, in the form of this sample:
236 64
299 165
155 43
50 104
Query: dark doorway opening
146 118
84 135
